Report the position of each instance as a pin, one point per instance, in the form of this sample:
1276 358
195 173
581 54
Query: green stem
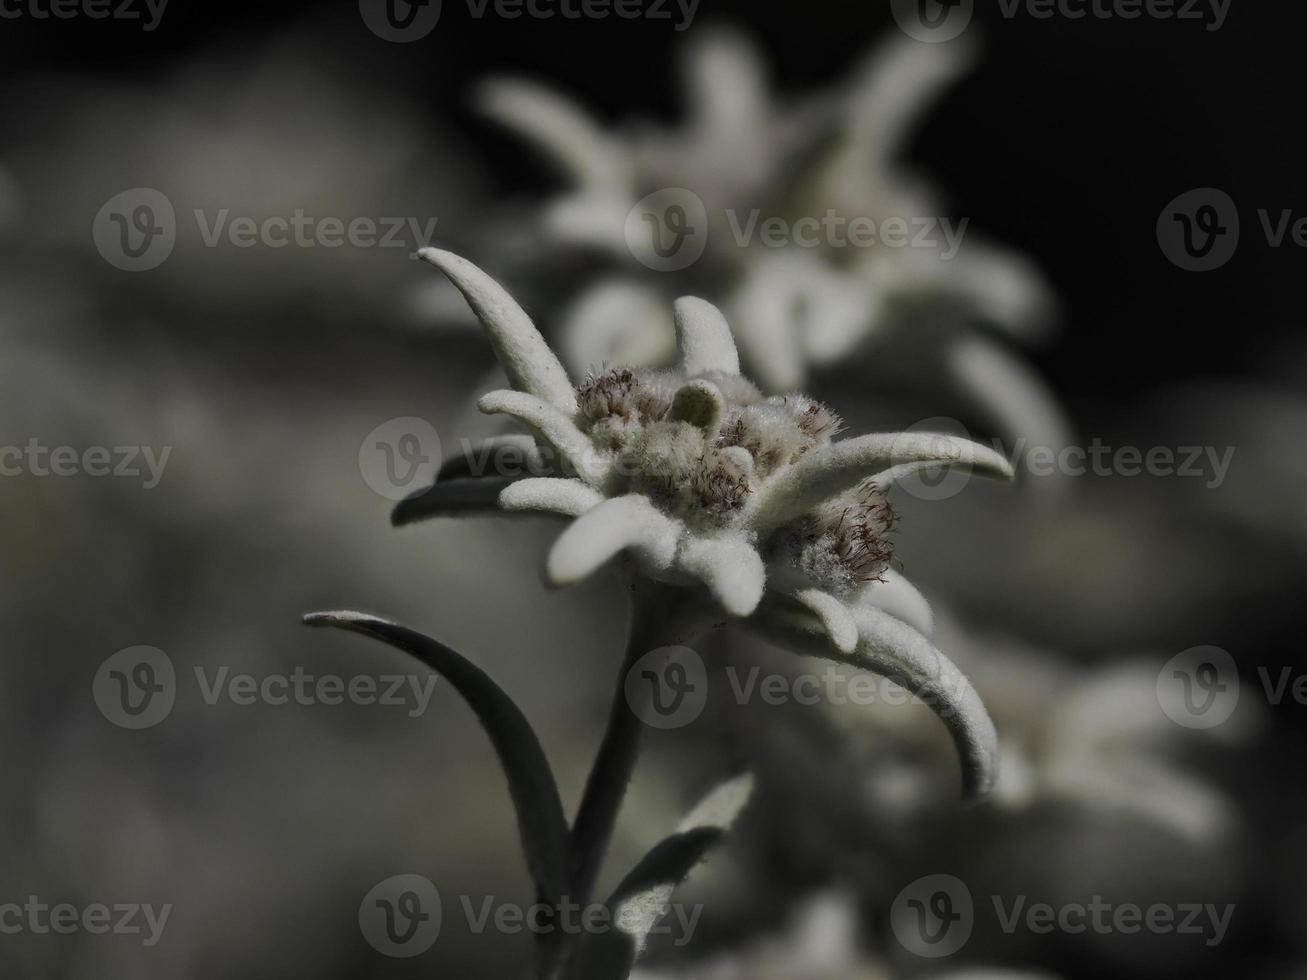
655 618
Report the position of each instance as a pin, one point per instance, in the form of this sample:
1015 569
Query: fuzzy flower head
698 482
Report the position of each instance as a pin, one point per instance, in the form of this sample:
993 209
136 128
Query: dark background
1065 143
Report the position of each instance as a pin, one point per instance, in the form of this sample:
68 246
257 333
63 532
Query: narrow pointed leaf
541 822
573 448
527 360
451 498
843 465
644 895
892 649
489 456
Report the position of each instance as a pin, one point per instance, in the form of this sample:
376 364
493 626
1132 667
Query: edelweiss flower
720 502
797 308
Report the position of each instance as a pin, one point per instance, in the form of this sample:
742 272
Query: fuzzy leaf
480 459
840 466
553 427
644 895
541 822
450 498
529 363
893 649
894 594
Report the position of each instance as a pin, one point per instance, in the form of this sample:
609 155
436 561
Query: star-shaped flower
726 503
743 157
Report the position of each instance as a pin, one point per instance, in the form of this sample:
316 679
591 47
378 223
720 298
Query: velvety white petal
766 325
704 338
600 534
530 364
830 471
839 314
797 309
1145 788
731 568
451 498
1017 400
617 323
1005 288
891 648
570 498
889 95
725 86
900 598
593 219
558 127
835 617
574 448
